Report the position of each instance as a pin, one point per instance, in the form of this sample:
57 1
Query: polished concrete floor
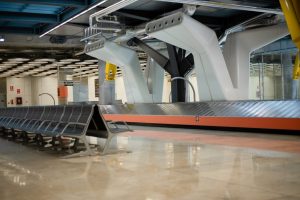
163 164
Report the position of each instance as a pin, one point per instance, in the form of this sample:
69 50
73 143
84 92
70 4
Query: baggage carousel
269 115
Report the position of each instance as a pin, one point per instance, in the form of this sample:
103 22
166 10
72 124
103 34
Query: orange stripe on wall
239 122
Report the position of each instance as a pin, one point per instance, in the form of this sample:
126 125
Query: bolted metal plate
164 22
95 45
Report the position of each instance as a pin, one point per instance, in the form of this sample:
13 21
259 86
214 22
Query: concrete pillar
80 90
127 59
106 87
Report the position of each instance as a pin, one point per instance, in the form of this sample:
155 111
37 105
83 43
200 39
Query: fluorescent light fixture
45 60
2 40
82 63
19 59
92 61
74 17
94 66
70 60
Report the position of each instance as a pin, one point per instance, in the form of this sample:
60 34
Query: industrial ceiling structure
38 16
50 31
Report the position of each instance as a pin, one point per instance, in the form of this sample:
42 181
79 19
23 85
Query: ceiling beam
69 3
23 17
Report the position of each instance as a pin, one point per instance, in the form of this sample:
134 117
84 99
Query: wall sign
68 83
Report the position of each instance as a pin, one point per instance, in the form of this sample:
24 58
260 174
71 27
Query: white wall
44 85
166 90
24 85
269 88
30 88
254 93
91 88
120 89
254 90
193 80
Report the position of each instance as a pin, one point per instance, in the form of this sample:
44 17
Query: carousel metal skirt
281 115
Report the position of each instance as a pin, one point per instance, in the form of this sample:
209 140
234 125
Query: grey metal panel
274 109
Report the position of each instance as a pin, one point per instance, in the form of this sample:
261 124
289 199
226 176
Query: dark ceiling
37 16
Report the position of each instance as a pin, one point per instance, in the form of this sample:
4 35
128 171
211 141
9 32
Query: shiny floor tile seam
197 139
240 134
281 182
215 136
286 197
42 155
234 149
249 186
53 156
169 140
186 165
264 146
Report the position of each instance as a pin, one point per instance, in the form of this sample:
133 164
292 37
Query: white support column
213 79
127 60
237 51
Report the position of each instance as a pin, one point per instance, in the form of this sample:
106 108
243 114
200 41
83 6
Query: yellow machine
291 10
110 71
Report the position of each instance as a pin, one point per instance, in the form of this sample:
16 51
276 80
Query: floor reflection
156 169
17 174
